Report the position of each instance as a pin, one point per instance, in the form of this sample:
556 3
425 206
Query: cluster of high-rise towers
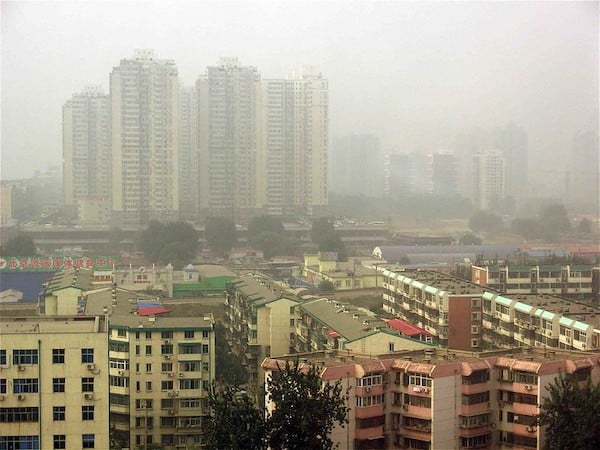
233 145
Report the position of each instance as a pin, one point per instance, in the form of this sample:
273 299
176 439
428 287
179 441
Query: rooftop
52 325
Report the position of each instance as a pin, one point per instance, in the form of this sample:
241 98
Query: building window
205 334
193 383
166 349
58 356
188 334
121 332
87 384
25 356
166 334
148 367
166 367
58 413
148 385
25 385
474 329
20 442
292 322
148 349
137 334
474 342
2 385
2 357
204 348
58 385
87 413
137 349
148 335
166 385
87 440
60 441
419 380
205 367
143 404
87 355
22 414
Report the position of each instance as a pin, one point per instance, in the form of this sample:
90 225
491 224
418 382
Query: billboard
55 263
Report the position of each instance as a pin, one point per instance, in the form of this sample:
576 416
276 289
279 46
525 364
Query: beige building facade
54 383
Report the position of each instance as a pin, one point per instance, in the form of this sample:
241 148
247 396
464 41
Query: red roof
333 334
151 311
408 329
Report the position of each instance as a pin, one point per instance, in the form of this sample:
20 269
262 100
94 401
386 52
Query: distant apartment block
188 154
356 166
87 153
441 174
144 96
571 281
54 383
443 399
489 179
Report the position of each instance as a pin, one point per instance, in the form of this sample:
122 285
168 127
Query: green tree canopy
306 408
234 422
570 414
174 242
485 221
584 228
262 224
323 234
554 221
19 245
469 239
326 286
221 234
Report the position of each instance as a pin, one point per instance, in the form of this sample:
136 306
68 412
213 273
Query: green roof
503 300
566 321
581 326
523 307
547 315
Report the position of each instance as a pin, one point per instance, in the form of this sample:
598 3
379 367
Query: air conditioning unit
21 397
426 390
1 398
531 429
21 368
170 374
167 356
167 341
405 406
88 396
528 387
121 372
171 412
171 393
181 374
91 366
515 418
368 389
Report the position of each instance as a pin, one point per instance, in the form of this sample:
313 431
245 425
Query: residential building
6 209
326 324
144 94
441 174
347 275
405 173
489 179
445 306
54 383
581 281
511 140
227 139
472 317
188 154
356 166
440 398
159 359
583 179
86 150
259 319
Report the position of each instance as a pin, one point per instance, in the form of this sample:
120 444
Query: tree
585 227
469 239
485 221
553 221
115 236
228 366
526 227
174 242
221 234
326 286
570 414
263 224
234 422
19 245
324 235
306 408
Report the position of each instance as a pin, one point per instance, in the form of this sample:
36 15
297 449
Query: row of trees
307 409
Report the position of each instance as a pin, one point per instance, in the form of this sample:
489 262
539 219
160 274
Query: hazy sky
410 72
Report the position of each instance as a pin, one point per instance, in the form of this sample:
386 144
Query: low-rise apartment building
159 360
326 324
444 399
445 306
343 275
455 311
571 281
54 383
259 319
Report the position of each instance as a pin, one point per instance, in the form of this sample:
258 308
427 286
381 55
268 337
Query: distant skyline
410 73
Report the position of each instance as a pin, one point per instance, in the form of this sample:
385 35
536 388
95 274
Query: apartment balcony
368 411
474 431
422 434
475 388
416 411
368 433
523 429
524 409
477 408
366 391
524 388
117 408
